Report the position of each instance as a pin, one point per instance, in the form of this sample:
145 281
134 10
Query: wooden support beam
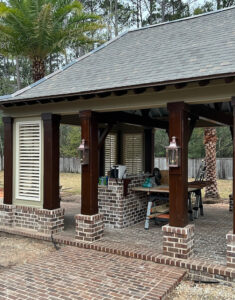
51 129
119 147
8 160
104 134
101 155
192 125
214 116
89 125
178 177
123 117
233 105
149 150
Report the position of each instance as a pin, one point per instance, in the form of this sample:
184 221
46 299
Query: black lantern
84 149
173 154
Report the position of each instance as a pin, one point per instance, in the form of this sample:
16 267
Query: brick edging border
216 271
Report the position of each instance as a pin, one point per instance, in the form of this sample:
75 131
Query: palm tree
210 139
37 28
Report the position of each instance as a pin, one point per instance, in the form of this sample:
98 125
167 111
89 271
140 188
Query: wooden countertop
159 189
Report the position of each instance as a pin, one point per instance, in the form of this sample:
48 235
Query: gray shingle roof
189 48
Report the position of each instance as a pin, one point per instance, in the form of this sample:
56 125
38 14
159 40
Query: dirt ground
17 250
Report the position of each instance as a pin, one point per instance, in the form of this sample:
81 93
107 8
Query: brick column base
89 228
230 237
33 218
50 221
178 242
6 215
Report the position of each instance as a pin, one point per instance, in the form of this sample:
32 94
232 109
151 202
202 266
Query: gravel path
189 290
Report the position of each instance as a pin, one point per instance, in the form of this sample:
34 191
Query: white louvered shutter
110 151
28 156
133 152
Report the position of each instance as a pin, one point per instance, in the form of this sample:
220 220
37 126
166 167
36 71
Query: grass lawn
71 183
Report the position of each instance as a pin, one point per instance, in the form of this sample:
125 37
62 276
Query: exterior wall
40 220
120 211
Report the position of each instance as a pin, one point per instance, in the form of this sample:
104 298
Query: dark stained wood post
89 205
233 105
8 159
51 125
149 150
101 156
178 177
119 147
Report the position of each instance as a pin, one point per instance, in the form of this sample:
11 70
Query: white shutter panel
28 160
133 152
110 151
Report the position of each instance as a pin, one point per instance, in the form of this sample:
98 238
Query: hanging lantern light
84 149
173 154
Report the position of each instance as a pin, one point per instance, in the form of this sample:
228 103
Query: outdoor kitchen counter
122 210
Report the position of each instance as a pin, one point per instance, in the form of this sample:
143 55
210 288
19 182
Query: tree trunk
116 18
210 139
38 68
18 74
163 7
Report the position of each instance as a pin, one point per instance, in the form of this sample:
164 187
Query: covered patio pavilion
175 76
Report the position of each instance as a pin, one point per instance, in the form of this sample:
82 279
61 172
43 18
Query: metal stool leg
190 207
200 203
150 202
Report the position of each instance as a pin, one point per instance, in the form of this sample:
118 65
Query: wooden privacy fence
70 165
224 166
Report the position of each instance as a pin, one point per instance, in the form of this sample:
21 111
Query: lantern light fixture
84 150
173 154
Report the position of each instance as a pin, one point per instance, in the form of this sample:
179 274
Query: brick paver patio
73 273
210 233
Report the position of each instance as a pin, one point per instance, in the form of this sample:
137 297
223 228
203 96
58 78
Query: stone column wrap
178 242
230 237
89 228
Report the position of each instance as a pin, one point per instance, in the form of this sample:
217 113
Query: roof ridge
184 19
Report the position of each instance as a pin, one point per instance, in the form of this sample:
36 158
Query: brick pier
178 242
